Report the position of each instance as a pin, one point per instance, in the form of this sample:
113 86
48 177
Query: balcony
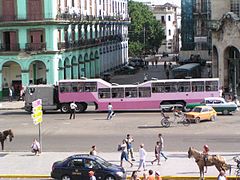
9 47
35 46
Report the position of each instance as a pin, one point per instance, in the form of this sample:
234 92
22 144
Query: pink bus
149 95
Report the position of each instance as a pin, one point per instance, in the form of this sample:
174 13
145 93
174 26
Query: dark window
117 92
144 92
131 92
104 93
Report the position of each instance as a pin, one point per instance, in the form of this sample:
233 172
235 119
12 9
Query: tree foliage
143 30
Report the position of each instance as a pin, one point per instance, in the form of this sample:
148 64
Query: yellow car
200 113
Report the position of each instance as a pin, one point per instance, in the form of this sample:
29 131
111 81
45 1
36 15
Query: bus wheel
65 108
80 107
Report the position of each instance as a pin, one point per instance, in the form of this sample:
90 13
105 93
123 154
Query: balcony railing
35 46
9 47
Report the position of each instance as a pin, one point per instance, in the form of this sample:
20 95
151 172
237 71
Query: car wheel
66 177
213 118
65 108
225 112
197 120
110 178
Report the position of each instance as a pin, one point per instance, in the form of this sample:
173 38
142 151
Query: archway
67 69
11 78
74 68
215 62
60 70
231 70
92 65
87 65
37 72
97 64
81 67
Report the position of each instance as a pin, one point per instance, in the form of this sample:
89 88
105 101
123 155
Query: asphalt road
63 135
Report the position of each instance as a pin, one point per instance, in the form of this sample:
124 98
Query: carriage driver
205 154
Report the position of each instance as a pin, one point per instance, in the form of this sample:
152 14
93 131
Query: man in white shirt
73 107
142 156
110 111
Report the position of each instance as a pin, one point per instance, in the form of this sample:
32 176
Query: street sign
37 111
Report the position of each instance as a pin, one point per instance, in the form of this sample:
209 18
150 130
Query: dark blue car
78 167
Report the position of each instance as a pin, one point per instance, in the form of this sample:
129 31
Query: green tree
145 32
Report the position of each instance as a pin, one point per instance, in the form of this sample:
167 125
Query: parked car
136 62
125 70
192 59
78 167
200 113
219 105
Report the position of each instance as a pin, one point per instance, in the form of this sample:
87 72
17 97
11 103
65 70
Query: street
63 135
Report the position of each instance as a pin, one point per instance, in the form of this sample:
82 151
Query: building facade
43 41
225 25
195 32
167 15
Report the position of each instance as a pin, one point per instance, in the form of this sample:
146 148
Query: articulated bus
149 95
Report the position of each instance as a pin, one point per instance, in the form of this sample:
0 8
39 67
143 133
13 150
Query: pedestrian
21 96
156 61
93 151
142 156
145 77
205 154
110 111
167 73
73 107
150 175
157 150
129 140
36 149
10 94
134 176
222 175
91 175
162 146
124 154
157 175
165 65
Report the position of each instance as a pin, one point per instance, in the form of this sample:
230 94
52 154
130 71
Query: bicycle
179 118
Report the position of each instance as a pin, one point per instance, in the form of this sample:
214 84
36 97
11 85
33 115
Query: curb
23 176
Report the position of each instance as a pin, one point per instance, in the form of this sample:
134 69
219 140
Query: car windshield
103 162
197 109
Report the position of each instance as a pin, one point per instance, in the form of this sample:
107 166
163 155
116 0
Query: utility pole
144 41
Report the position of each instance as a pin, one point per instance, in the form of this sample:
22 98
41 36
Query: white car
220 105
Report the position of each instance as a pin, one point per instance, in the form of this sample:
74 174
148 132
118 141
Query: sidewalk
25 164
6 105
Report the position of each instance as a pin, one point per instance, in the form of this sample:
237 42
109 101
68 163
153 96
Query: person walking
161 146
124 154
36 149
110 111
129 140
93 151
157 153
73 107
142 156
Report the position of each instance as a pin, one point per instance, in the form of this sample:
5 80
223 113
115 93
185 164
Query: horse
212 160
4 135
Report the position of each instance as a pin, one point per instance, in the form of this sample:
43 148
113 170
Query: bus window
80 87
184 87
211 85
65 87
198 86
104 93
144 91
74 87
130 92
158 87
170 87
90 87
117 92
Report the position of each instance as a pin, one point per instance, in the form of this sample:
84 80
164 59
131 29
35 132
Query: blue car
78 167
